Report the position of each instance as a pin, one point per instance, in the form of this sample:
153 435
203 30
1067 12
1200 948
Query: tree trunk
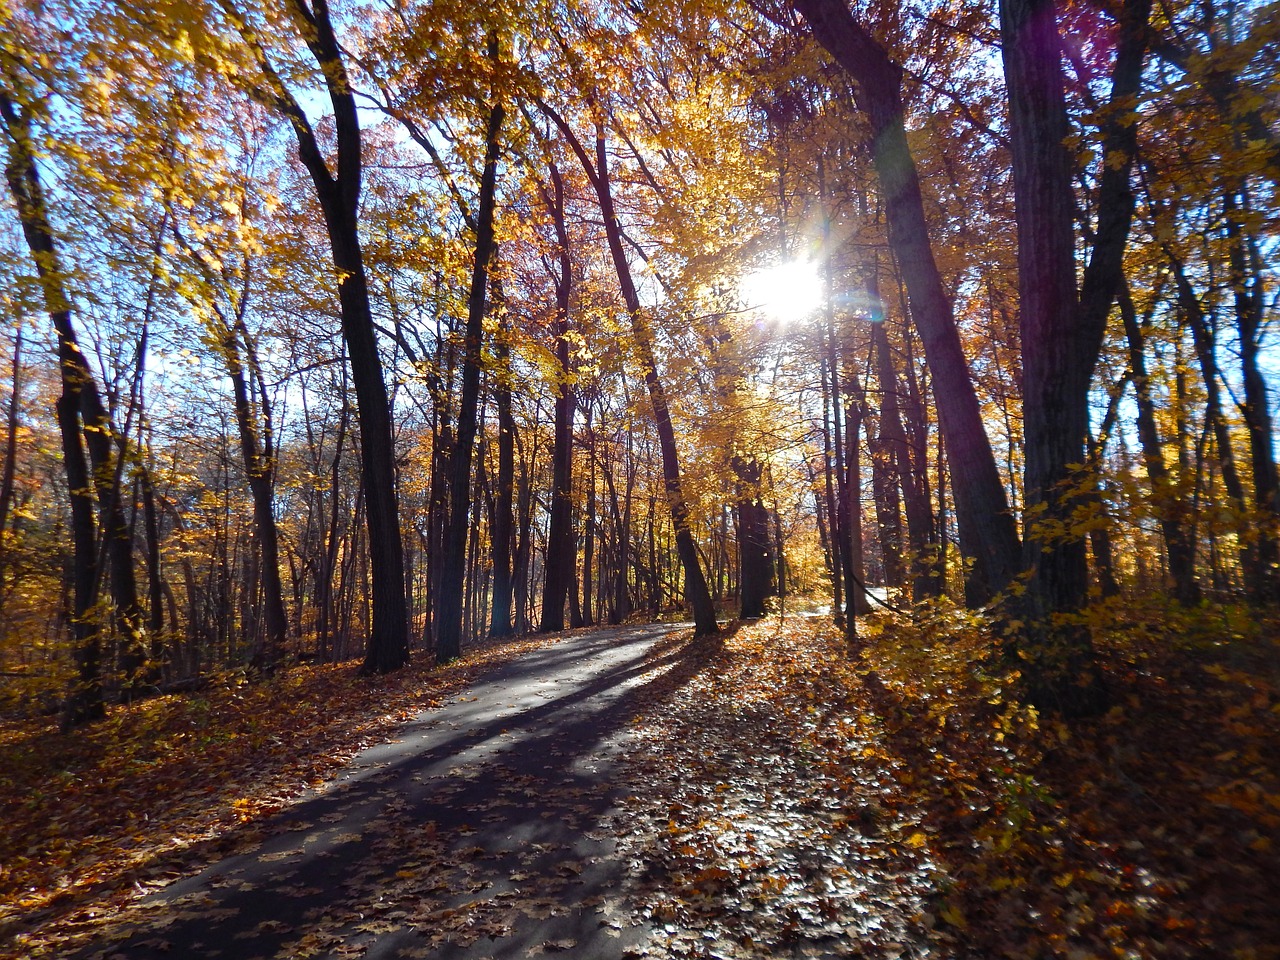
891 457
449 612
1061 332
259 468
1250 307
524 521
756 570
339 197
10 456
561 549
502 531
856 602
1168 499
988 535
1100 534
695 586
85 701
831 460
1203 338
80 415
589 532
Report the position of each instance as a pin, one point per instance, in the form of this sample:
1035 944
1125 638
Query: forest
377 332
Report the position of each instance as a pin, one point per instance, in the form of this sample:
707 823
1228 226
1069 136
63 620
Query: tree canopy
353 330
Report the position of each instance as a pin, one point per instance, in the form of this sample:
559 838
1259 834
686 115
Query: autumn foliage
336 331
903 798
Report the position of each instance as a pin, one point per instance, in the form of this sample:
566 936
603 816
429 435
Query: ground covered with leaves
900 803
785 798
98 816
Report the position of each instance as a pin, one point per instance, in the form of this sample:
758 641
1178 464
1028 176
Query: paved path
483 831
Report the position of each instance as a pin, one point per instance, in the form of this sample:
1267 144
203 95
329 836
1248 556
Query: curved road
484 830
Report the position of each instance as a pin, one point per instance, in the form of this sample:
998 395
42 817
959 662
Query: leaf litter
783 799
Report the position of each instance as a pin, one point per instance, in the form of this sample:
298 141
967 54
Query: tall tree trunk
449 612
502 531
339 196
1061 331
589 531
845 590
441 457
1100 533
832 457
259 467
251 402
524 539
1249 295
561 549
9 470
326 623
988 535
620 603
1169 501
695 583
83 423
856 602
155 575
756 569
78 416
898 465
1203 337
85 701
884 491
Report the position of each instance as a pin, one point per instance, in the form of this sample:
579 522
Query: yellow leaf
954 916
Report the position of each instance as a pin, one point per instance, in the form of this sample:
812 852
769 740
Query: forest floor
646 794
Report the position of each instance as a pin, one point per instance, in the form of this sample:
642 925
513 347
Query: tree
597 171
987 533
79 408
561 552
338 191
1062 329
449 622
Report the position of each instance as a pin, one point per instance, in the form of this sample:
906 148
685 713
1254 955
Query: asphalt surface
484 830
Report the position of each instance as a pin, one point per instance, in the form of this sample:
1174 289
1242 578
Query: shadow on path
482 831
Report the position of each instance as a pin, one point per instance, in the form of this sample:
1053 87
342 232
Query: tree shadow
1115 832
475 822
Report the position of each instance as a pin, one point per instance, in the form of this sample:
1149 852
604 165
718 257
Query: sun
786 292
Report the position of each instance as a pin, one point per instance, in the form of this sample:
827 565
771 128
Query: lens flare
788 292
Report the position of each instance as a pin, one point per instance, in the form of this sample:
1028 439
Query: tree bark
1248 292
10 455
561 549
988 535
449 613
76 417
898 462
259 466
589 532
696 592
756 570
1061 331
1170 504
502 533
339 195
